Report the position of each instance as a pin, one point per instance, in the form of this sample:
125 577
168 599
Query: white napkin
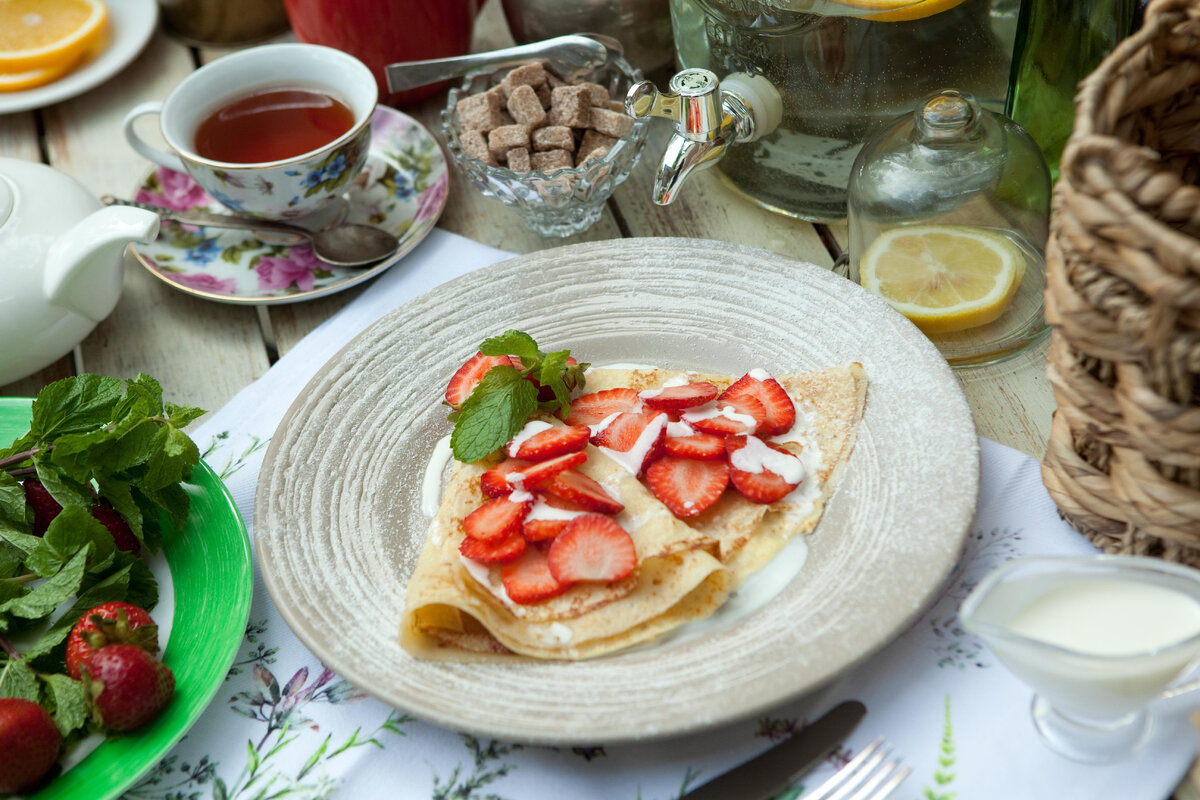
281 722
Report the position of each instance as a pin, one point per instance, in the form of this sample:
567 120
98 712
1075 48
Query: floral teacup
286 189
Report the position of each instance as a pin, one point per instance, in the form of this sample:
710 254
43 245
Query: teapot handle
158 156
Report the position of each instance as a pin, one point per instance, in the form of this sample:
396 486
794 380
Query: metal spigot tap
709 115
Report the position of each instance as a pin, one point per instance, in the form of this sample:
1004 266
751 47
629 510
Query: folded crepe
457 610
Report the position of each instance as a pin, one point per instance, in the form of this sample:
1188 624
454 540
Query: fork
867 776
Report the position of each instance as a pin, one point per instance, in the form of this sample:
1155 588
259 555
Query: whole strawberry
29 744
123 536
109 623
45 507
128 687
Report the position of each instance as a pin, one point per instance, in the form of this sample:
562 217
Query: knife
771 772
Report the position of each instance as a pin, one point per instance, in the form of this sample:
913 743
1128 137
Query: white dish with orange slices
51 76
340 524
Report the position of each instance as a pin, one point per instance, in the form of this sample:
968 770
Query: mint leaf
74 529
74 404
49 595
489 419
513 343
114 587
66 700
63 488
12 500
18 680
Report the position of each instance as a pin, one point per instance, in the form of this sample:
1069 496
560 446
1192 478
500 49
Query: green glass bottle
1060 42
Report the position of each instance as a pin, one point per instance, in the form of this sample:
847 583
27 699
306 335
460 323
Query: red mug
382 32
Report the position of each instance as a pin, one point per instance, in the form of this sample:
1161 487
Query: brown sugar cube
570 106
599 93
505 138
553 81
518 160
506 119
590 143
554 137
616 105
525 107
528 75
610 122
475 145
478 112
551 160
543 94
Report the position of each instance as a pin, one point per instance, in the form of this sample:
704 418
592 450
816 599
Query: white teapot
61 265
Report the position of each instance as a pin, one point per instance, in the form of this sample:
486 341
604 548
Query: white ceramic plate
338 521
130 25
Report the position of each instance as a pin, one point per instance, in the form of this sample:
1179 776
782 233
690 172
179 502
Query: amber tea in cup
286 128
272 124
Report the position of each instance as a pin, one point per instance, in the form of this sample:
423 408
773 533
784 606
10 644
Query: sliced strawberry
640 434
470 374
724 417
685 486
528 579
554 442
592 548
589 409
540 530
699 446
495 483
779 408
766 483
539 472
674 397
497 552
579 488
496 519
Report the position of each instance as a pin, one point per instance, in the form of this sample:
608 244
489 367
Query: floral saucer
402 189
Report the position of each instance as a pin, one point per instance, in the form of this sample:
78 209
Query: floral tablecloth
284 726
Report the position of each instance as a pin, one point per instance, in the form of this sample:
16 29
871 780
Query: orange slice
47 34
19 81
901 10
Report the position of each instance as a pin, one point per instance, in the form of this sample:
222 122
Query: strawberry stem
17 458
24 578
7 647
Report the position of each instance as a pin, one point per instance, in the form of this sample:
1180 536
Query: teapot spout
84 269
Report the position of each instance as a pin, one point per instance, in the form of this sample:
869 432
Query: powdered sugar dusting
339 523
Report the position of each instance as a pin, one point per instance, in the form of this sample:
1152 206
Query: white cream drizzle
711 410
431 485
544 511
632 458
679 430
756 457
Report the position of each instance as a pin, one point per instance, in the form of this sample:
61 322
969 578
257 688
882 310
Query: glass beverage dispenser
841 70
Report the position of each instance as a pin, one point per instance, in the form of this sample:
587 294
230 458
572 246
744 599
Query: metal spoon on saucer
339 246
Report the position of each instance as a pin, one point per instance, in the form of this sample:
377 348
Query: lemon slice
45 34
944 278
901 10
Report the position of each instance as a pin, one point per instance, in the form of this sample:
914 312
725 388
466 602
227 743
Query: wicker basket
1123 292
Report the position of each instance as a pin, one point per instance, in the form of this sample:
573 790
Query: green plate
211 569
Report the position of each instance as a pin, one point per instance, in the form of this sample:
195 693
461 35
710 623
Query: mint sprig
502 402
90 438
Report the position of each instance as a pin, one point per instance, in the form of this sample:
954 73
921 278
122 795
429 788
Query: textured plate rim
959 425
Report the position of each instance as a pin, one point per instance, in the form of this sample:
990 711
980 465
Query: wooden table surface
204 352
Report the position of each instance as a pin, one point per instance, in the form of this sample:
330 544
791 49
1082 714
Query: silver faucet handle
693 103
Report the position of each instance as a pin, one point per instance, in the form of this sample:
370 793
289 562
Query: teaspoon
339 246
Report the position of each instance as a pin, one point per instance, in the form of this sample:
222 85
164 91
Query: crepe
457 609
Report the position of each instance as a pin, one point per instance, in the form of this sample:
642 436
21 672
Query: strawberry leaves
504 399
